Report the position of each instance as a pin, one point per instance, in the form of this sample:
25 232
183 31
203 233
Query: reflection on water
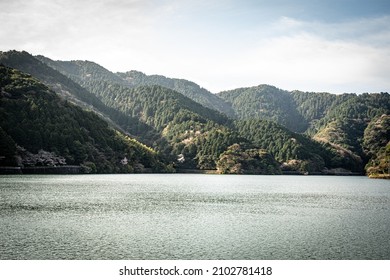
179 216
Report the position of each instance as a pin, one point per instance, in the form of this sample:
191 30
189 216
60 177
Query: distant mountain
266 102
313 106
86 71
302 131
38 128
187 88
74 92
376 144
83 71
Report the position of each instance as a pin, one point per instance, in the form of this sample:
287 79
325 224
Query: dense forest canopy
84 114
40 128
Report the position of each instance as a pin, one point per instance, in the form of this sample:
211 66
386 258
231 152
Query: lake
193 216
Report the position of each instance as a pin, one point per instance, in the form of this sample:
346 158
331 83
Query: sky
332 46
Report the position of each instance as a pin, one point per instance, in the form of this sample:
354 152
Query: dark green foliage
237 160
344 125
298 152
183 124
314 106
376 145
42 123
7 149
75 93
86 71
266 102
157 111
82 71
187 88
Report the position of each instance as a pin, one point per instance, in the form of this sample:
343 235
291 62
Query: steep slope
85 71
74 92
187 127
41 129
313 106
295 151
187 88
25 62
194 136
266 102
344 124
376 144
170 122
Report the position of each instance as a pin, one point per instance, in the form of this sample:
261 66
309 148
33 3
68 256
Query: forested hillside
266 102
187 88
255 130
83 71
86 72
74 92
297 152
189 131
344 125
376 144
37 128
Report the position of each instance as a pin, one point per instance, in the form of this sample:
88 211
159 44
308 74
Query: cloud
220 45
353 56
74 27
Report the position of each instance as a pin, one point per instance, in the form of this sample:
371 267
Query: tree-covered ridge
36 123
74 92
86 71
155 105
64 86
314 106
82 71
159 117
295 151
345 123
193 136
376 145
266 102
187 88
186 128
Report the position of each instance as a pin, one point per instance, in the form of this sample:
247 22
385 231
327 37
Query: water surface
188 216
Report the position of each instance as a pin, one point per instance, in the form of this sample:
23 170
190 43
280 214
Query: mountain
170 122
187 88
186 128
344 125
296 151
339 121
376 144
86 71
301 131
75 93
266 102
39 128
83 71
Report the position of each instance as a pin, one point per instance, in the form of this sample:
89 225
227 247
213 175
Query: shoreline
75 169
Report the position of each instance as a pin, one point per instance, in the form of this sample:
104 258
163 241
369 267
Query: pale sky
330 45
